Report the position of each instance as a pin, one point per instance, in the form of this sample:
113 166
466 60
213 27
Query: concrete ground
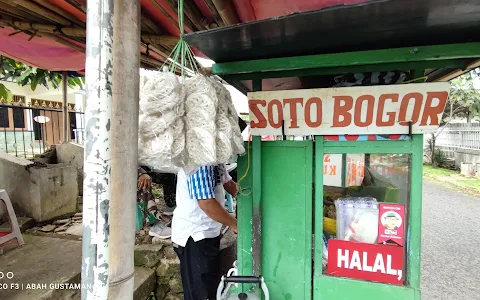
451 244
41 260
45 261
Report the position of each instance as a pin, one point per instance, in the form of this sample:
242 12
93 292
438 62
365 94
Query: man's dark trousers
198 266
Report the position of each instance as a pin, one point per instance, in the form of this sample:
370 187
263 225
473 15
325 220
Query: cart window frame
324 284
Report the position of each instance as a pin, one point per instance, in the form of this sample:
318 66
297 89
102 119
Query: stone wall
161 257
42 193
72 154
463 155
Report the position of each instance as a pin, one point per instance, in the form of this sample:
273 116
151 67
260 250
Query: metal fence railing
26 131
458 135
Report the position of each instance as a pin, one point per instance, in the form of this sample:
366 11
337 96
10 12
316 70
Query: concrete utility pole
97 161
126 58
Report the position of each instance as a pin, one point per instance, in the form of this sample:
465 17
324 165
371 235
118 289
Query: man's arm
214 210
201 186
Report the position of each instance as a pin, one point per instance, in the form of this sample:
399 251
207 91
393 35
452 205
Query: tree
11 70
463 102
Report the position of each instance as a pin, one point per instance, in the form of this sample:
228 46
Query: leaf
5 94
77 81
24 75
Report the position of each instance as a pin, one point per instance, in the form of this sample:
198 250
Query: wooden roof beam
60 11
227 11
34 8
215 14
194 26
162 40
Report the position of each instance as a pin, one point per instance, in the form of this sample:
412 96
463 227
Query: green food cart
283 205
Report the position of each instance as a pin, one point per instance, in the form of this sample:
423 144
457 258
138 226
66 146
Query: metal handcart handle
230 280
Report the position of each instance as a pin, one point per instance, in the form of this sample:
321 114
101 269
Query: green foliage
5 94
439 158
464 99
11 70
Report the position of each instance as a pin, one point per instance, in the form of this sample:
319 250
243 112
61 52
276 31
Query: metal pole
126 57
96 187
66 124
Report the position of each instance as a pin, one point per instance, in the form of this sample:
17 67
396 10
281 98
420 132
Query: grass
429 170
453 178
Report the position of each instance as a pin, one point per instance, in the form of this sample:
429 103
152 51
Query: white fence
458 135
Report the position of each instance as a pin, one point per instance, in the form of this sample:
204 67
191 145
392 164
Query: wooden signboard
389 109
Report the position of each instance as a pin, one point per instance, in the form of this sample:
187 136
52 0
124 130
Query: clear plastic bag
357 219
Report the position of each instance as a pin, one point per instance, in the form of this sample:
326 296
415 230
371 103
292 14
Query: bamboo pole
164 40
194 13
165 13
215 13
191 11
62 41
152 25
124 130
43 29
188 23
45 13
227 11
10 9
60 11
97 156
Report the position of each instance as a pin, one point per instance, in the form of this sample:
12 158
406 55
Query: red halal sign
372 262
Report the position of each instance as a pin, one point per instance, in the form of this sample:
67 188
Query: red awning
43 52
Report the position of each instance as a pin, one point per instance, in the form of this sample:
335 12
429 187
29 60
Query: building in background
34 120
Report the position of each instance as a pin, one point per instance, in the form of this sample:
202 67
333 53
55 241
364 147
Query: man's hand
235 229
231 187
144 182
215 211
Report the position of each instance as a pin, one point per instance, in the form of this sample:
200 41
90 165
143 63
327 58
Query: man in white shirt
196 225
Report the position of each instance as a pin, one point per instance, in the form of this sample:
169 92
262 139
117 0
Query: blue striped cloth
201 184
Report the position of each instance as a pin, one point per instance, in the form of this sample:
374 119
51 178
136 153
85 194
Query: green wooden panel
334 288
399 55
383 67
287 218
244 214
318 220
257 204
415 213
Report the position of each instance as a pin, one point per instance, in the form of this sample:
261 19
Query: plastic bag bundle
161 126
156 153
224 128
357 219
237 142
226 105
200 111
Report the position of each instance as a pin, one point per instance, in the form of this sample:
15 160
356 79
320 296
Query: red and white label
391 223
360 110
372 262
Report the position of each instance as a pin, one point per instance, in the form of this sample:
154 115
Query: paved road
451 244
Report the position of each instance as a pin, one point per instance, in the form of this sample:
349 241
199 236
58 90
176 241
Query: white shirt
189 220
